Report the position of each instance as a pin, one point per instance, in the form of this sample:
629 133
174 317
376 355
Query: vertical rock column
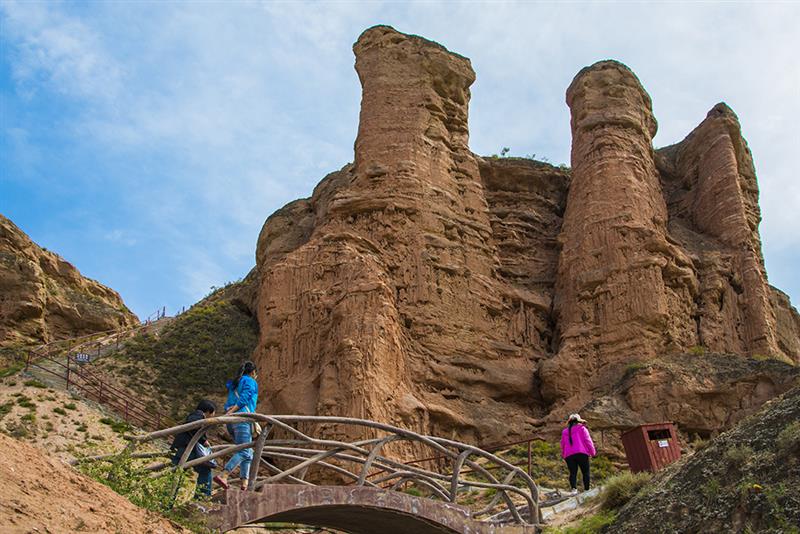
412 154
612 301
716 164
416 189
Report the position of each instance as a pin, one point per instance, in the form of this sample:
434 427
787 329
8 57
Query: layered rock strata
44 298
481 298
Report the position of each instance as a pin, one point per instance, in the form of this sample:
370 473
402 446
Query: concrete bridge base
353 509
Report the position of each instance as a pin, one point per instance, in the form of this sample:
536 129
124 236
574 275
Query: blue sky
147 142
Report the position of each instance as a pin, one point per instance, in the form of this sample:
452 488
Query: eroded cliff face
710 182
44 298
484 298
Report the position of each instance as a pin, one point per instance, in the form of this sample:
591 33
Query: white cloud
229 110
60 52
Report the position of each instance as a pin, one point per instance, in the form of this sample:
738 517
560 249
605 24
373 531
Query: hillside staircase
65 365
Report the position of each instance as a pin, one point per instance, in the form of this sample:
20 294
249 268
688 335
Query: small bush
622 488
634 367
789 438
697 350
25 402
18 431
29 418
134 482
35 384
60 411
120 427
11 370
710 489
738 456
5 408
70 406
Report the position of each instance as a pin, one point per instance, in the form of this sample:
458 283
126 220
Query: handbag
203 451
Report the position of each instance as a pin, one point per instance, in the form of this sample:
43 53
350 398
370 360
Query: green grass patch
70 406
11 369
59 410
5 408
789 438
35 384
413 491
120 427
592 524
25 402
191 358
622 488
165 492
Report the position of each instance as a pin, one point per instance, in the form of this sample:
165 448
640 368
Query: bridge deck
354 509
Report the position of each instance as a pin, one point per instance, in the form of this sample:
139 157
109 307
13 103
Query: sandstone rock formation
622 287
44 298
483 297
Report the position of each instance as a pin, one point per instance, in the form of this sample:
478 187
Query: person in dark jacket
205 408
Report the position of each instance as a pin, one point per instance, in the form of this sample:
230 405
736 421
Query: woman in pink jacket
576 448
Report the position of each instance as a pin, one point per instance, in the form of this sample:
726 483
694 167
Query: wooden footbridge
362 486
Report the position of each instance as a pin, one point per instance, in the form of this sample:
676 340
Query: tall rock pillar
623 291
715 193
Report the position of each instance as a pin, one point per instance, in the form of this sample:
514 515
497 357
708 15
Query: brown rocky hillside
44 298
486 298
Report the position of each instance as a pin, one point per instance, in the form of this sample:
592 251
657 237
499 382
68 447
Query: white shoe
573 492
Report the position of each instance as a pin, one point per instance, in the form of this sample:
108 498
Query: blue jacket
231 395
245 395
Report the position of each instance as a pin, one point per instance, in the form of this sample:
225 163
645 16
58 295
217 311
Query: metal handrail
93 385
300 452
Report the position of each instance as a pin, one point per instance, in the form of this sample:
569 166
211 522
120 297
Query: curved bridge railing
284 454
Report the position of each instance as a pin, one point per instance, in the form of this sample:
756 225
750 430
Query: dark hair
245 369
572 422
207 406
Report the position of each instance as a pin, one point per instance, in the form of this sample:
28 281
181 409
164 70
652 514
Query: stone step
569 503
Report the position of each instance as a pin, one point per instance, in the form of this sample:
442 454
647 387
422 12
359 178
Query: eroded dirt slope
42 494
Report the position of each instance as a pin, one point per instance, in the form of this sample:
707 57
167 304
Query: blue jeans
242 458
203 473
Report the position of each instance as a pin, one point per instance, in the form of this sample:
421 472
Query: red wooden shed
651 447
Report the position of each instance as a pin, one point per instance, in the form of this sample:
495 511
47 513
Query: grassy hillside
744 481
189 359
